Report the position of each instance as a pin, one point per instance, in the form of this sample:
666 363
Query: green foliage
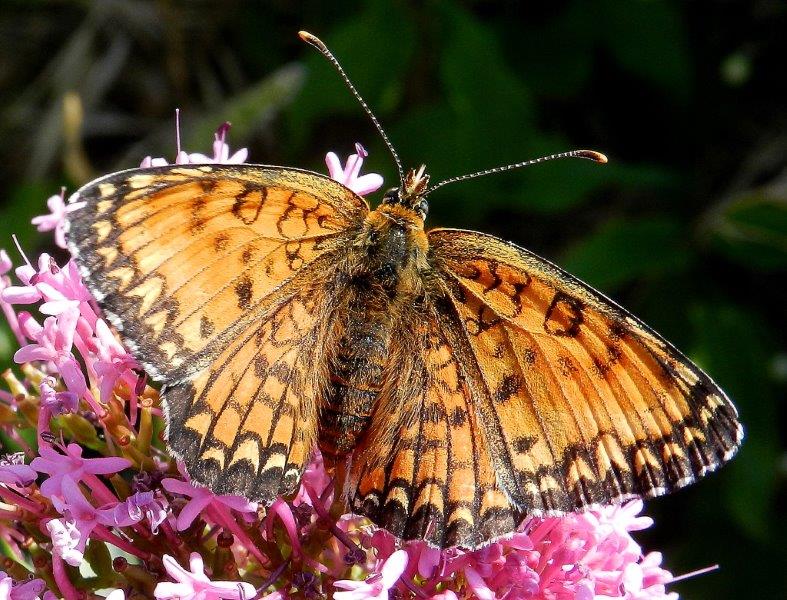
752 229
622 252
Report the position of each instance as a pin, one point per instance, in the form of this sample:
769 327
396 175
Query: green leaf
622 251
568 66
478 83
98 557
752 229
560 185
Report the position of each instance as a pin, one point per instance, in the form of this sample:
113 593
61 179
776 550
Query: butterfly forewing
217 276
184 257
580 401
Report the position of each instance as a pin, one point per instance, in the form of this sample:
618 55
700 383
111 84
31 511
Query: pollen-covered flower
66 540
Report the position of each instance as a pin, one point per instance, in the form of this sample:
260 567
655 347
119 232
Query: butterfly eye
392 196
422 208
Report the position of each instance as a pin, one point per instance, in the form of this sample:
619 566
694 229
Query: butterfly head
412 192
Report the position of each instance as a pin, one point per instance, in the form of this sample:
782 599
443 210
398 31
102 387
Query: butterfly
460 382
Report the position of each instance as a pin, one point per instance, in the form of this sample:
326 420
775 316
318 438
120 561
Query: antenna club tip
594 156
311 39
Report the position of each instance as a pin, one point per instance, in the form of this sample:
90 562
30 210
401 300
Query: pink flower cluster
582 556
85 480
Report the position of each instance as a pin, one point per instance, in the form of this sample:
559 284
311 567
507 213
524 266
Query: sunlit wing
183 258
582 403
246 424
425 469
216 276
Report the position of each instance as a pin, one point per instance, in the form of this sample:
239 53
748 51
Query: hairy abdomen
355 380
382 278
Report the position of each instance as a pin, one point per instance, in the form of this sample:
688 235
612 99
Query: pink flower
200 499
348 175
13 471
56 220
60 289
57 403
590 555
446 595
138 506
221 150
81 519
377 585
53 343
66 539
5 263
28 590
314 477
195 585
72 467
85 515
112 363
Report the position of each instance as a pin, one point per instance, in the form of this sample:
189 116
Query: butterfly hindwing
425 470
581 402
184 257
246 424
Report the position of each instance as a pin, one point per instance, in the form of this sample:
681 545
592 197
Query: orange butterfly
459 381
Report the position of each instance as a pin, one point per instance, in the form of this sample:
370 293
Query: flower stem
105 535
15 499
223 517
67 588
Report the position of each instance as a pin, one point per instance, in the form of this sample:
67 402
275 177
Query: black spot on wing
243 291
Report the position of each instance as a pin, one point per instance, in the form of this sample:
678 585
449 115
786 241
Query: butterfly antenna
587 154
323 49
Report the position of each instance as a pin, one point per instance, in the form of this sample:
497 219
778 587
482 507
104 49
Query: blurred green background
686 227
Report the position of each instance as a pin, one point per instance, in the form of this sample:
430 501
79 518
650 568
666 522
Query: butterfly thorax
382 279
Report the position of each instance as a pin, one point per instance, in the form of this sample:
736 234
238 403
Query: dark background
686 227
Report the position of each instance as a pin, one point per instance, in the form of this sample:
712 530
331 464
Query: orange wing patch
246 425
185 258
438 481
581 403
